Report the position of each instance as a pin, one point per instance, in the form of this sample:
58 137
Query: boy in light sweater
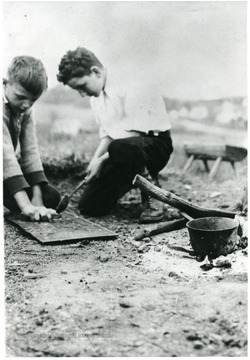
134 131
25 187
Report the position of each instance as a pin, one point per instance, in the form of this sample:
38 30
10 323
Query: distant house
227 113
233 113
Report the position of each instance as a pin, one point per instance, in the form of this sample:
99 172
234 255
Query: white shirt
127 111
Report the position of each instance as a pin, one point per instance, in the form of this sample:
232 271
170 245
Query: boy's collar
109 85
4 97
5 100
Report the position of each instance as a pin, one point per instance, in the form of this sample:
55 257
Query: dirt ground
124 297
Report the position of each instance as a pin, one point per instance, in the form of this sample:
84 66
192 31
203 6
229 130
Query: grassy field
68 137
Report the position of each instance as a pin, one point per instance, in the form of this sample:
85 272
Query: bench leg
188 163
215 168
234 168
206 165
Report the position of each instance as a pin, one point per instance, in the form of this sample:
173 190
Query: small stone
173 274
215 194
207 267
223 263
125 304
39 322
60 337
104 258
215 338
142 249
198 345
193 336
64 272
212 319
43 311
157 248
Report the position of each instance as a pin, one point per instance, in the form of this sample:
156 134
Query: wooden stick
160 228
177 202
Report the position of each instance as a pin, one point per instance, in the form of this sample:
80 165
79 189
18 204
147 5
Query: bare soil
122 297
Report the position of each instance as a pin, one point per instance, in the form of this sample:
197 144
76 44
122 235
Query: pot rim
235 224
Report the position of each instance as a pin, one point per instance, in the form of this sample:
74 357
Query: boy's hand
37 213
94 169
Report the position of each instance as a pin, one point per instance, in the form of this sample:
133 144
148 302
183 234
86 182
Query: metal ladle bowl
213 236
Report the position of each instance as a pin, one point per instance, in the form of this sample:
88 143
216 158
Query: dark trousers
127 157
51 197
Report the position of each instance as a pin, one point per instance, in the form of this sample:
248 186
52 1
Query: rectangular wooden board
69 227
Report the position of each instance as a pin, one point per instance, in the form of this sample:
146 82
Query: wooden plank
67 228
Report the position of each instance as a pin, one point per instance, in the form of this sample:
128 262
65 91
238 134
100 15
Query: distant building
232 112
227 113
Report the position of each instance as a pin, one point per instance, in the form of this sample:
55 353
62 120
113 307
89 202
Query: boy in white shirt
134 131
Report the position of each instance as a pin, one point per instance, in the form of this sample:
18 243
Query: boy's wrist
37 199
36 191
22 199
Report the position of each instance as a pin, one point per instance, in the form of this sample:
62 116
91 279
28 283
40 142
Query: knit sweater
22 166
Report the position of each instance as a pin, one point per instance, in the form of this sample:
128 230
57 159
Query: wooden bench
218 153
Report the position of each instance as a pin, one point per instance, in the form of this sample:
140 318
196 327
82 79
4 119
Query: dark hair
76 63
30 73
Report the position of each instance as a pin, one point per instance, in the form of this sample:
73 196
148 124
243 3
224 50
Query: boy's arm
101 154
31 162
102 147
16 182
12 173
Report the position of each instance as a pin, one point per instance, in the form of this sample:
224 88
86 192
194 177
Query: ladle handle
186 216
77 188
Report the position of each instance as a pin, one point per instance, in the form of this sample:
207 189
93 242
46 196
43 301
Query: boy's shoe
153 211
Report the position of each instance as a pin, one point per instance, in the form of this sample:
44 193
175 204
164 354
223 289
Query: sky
191 50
